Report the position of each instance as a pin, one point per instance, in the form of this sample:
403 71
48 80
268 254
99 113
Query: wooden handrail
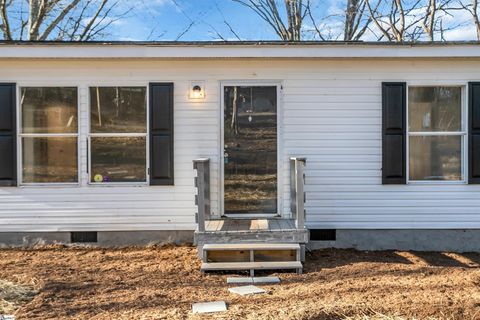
202 199
297 192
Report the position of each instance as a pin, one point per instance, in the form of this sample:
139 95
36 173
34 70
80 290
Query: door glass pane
250 150
118 159
49 110
49 160
118 109
435 158
434 109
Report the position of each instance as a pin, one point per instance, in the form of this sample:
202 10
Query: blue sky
167 19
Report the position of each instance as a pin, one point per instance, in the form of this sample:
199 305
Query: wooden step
251 246
218 266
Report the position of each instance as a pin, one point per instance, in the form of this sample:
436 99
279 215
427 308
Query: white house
100 138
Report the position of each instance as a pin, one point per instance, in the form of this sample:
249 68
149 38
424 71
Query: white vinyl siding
331 114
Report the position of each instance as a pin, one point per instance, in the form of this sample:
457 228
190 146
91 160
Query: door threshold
240 216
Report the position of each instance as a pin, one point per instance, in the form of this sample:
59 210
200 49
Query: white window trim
463 133
21 135
90 135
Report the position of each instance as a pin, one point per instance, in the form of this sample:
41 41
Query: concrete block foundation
105 238
455 240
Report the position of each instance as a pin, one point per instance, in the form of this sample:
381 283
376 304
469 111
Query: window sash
91 135
21 108
22 135
462 133
434 181
47 135
91 98
116 135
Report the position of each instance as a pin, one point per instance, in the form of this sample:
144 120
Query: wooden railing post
202 199
297 191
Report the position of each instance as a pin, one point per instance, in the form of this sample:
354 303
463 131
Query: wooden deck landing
249 225
251 231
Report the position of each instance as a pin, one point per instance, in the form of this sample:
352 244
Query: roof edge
240 43
235 50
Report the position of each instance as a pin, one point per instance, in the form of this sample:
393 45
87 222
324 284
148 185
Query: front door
250 150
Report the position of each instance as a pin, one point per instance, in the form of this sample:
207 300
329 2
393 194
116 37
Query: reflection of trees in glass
49 109
234 122
49 117
434 108
118 109
251 149
119 159
432 111
118 134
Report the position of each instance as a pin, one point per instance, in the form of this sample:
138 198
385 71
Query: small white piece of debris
250 280
269 280
239 280
209 307
246 290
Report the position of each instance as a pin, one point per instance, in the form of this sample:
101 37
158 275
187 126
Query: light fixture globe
197 90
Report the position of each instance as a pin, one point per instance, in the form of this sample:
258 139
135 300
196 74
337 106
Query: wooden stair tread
251 265
251 246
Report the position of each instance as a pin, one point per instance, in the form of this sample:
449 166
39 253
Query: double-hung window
436 133
49 135
118 135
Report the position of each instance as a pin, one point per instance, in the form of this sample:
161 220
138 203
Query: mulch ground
162 283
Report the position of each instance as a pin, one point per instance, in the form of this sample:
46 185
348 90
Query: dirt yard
162 283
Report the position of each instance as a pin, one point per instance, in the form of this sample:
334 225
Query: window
118 134
49 134
436 133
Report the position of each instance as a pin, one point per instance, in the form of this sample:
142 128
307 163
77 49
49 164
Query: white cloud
461 33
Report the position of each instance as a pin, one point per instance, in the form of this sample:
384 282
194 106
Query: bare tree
432 20
294 11
288 19
472 7
356 20
401 20
392 22
39 20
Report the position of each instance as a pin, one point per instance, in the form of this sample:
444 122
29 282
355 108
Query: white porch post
297 192
202 199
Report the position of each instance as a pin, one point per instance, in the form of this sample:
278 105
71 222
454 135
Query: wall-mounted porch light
197 90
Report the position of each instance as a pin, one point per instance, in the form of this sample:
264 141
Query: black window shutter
8 150
394 130
474 133
161 134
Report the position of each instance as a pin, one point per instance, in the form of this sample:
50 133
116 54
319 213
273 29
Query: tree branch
7 34
58 19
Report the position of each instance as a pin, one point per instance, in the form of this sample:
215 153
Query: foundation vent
323 234
83 237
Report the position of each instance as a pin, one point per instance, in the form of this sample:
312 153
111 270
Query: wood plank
259 236
243 225
211 225
263 224
274 225
287 224
220 224
274 255
225 225
228 256
217 266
